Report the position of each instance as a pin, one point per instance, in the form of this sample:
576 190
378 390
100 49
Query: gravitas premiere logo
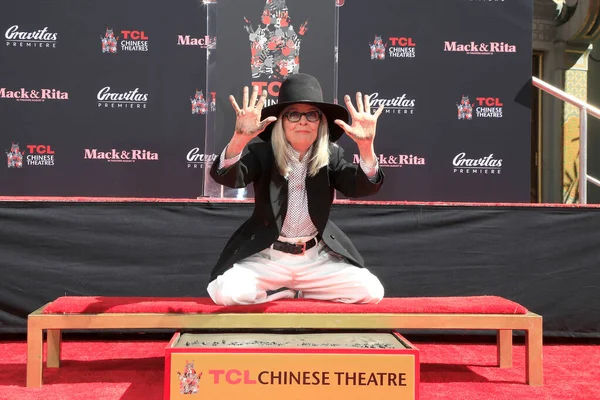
40 38
120 156
399 47
130 99
485 107
476 166
481 49
33 95
39 155
132 41
395 161
393 105
196 159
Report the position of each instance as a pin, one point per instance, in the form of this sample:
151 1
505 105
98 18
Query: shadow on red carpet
443 373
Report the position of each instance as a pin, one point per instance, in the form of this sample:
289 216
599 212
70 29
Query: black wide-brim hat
306 89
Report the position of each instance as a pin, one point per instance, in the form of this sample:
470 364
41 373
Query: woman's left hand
362 130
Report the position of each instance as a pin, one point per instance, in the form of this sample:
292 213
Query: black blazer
257 165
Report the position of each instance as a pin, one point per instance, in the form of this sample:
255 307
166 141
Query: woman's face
302 133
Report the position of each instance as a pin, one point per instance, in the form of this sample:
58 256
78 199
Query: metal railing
584 110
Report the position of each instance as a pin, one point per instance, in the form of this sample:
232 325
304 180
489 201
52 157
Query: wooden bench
463 313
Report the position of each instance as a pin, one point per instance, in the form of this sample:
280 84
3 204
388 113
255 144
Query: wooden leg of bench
34 355
505 348
54 345
534 361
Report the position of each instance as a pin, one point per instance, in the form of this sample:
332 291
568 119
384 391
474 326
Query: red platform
191 305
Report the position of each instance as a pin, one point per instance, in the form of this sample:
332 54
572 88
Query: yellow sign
288 374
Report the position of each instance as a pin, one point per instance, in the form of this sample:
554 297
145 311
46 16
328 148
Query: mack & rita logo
474 48
121 156
205 42
33 95
395 160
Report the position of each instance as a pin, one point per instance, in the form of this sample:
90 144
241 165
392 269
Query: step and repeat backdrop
129 98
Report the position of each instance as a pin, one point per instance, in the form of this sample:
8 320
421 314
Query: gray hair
320 151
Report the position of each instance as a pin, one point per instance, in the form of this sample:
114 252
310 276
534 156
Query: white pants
319 274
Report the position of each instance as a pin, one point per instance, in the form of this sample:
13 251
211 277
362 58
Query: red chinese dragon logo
465 108
15 157
189 380
109 41
198 103
377 49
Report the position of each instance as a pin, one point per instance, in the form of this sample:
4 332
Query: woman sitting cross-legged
289 247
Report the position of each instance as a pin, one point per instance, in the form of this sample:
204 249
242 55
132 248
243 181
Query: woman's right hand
248 124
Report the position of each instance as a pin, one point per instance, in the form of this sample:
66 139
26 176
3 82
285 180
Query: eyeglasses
311 116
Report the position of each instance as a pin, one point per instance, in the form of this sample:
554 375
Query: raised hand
248 123
364 124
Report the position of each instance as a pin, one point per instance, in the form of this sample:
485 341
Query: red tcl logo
489 101
402 42
272 87
134 35
39 149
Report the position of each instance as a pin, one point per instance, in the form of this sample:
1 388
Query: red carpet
134 370
466 305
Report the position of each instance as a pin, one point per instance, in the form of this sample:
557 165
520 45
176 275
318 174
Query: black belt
296 248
